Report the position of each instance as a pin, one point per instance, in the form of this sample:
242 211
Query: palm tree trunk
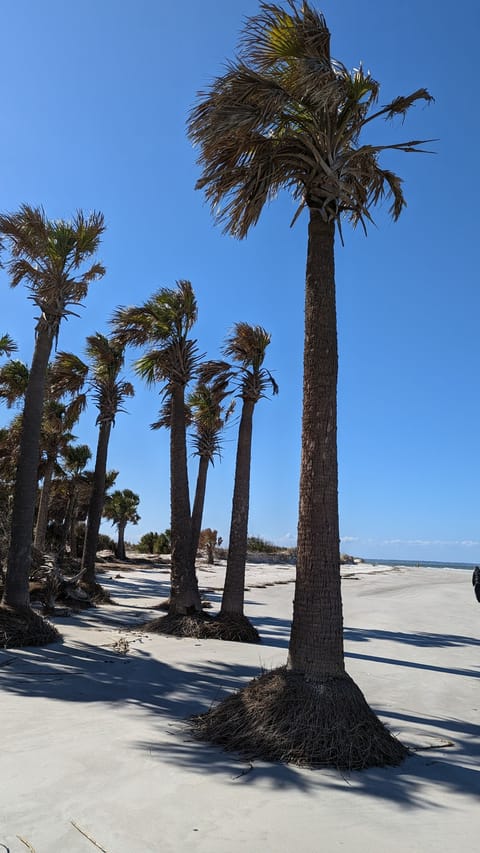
316 644
233 592
16 594
198 503
97 500
67 522
184 596
42 516
120 549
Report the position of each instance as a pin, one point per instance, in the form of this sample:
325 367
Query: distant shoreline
421 564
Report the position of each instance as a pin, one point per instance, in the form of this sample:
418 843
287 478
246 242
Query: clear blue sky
94 101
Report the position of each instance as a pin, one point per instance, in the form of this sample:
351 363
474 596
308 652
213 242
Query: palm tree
164 323
110 390
121 509
49 256
75 459
288 116
209 417
246 346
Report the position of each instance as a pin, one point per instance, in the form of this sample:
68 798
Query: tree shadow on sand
85 673
424 639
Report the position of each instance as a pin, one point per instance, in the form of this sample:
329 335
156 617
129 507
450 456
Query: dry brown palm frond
288 116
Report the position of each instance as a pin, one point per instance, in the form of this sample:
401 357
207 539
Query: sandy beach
95 754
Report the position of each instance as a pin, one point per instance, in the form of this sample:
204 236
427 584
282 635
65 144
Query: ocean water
422 564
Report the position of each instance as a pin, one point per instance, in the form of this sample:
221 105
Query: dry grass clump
25 628
282 717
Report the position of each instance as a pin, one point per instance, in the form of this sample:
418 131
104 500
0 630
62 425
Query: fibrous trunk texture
316 643
23 627
184 595
283 717
197 511
42 515
233 592
95 508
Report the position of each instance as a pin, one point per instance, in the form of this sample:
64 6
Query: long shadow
84 673
421 638
469 673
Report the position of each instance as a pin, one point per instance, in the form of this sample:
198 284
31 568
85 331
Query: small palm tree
246 346
50 257
287 116
163 323
109 390
209 416
121 509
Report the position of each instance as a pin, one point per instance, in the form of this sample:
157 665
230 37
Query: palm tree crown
47 254
164 321
288 116
247 346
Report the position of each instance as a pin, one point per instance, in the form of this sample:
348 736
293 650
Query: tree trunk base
165 605
233 628
281 716
96 593
21 628
180 625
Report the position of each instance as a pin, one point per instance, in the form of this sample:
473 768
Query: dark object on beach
476 582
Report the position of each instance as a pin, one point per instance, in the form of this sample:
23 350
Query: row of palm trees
162 326
285 115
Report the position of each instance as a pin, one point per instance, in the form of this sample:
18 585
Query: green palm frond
14 377
7 345
67 374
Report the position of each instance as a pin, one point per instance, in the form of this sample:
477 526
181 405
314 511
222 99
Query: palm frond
7 345
288 116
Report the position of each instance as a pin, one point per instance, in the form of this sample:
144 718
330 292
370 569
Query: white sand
91 735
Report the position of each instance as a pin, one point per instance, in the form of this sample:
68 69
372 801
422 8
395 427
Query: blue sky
94 103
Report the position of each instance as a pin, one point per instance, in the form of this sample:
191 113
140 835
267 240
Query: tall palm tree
164 323
50 257
246 346
287 116
121 509
110 390
209 416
